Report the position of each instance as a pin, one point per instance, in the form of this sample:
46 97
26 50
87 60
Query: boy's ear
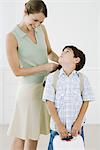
77 60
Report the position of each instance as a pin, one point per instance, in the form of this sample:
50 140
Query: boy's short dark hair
77 53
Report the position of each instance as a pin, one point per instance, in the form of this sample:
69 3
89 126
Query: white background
74 22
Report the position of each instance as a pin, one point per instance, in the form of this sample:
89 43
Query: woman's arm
12 54
52 55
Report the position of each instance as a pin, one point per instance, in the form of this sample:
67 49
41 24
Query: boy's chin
59 61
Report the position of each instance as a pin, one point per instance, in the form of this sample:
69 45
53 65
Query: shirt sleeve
49 91
87 93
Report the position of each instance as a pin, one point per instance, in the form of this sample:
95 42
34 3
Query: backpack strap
81 82
55 78
80 75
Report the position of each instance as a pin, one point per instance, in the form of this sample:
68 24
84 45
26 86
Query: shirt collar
22 33
63 73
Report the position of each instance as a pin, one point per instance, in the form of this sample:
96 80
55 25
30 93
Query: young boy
67 105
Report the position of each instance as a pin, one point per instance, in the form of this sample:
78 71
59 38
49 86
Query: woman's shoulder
10 38
15 35
11 34
43 28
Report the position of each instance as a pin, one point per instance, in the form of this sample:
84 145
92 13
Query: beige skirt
30 117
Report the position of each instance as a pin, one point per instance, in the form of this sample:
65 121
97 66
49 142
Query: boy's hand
76 128
62 130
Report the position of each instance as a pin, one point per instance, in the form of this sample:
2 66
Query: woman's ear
77 60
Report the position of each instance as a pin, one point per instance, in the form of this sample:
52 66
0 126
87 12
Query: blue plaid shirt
67 99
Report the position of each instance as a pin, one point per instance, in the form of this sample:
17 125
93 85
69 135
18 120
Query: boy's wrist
78 122
58 123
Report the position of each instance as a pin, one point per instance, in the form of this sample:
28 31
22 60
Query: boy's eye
66 51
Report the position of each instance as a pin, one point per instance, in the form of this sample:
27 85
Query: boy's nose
61 55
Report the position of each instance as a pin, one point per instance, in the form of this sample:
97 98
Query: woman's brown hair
36 6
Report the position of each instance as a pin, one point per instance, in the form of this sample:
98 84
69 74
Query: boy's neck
68 71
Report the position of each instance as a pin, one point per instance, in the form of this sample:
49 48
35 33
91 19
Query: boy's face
67 58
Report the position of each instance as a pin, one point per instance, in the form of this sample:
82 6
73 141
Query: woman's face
34 20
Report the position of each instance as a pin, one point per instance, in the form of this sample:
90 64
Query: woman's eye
35 20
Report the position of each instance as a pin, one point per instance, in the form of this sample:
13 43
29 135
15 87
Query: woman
28 49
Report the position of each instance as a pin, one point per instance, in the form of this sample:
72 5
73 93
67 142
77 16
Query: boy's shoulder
51 77
52 74
56 73
82 75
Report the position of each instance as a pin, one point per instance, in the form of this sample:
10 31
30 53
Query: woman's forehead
38 15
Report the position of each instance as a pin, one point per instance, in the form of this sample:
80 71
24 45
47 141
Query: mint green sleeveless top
31 54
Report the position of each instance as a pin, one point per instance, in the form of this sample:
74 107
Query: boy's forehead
67 49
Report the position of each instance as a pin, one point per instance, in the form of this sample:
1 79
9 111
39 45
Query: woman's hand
50 67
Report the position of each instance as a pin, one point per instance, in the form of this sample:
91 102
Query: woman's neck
23 27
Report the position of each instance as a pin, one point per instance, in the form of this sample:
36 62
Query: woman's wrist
42 67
